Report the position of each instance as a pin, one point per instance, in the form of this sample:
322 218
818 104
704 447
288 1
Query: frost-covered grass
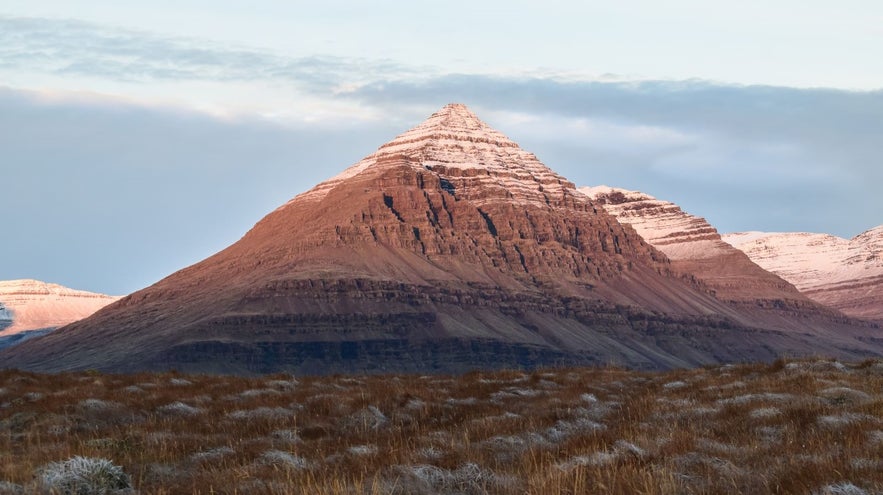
83 476
796 427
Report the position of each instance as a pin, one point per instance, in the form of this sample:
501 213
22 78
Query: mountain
35 305
29 308
695 248
449 248
846 274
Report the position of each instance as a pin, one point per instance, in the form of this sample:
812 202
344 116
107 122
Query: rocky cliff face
33 305
449 248
846 274
696 249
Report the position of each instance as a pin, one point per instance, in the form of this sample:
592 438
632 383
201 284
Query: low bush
83 476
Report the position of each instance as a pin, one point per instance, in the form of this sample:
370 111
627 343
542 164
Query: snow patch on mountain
32 305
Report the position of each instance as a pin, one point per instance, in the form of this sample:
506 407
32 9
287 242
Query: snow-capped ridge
812 260
661 223
32 304
694 246
843 273
10 288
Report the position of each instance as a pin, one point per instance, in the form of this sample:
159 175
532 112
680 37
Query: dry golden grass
811 426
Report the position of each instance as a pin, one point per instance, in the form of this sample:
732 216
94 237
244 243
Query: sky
137 138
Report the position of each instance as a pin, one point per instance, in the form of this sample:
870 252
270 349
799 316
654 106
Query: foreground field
790 427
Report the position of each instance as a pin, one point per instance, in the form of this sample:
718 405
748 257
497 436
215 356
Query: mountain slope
449 248
846 274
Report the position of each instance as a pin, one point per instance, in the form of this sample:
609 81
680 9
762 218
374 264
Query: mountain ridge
846 274
694 246
36 305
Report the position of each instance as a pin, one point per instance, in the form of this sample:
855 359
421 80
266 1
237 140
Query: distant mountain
846 274
27 305
450 248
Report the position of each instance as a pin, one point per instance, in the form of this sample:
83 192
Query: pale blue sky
139 137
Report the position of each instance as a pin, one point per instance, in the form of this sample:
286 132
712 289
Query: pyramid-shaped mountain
449 248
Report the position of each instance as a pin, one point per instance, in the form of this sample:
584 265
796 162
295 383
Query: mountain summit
449 248
454 142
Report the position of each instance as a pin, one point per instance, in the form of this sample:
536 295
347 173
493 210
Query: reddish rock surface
448 249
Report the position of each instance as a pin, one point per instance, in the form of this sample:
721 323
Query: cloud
72 47
739 111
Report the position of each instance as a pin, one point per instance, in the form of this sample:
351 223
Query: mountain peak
455 116
452 125
457 112
452 143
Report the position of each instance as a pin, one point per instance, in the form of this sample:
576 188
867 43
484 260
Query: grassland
801 427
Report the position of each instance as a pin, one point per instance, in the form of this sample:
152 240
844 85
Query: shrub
845 488
282 459
179 408
468 479
83 476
